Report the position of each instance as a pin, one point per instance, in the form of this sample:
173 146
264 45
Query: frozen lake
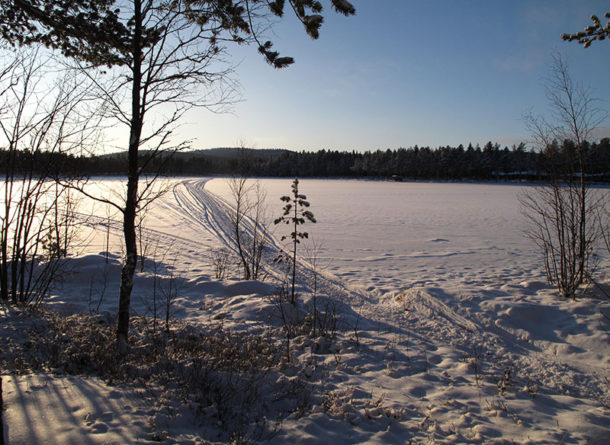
377 236
385 236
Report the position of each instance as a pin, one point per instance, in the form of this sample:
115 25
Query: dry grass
231 377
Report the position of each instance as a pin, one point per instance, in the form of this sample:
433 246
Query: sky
407 72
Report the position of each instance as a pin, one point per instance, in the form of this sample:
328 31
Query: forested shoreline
490 162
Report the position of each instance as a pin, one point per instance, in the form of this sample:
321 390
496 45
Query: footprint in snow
99 428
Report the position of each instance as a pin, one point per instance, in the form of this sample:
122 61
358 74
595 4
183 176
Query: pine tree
596 31
295 214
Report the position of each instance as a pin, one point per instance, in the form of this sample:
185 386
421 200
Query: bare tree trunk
583 254
3 269
129 212
294 254
8 185
1 415
259 230
239 190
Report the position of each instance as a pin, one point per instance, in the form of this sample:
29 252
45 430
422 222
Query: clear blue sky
407 72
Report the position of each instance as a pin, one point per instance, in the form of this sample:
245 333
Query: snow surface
447 333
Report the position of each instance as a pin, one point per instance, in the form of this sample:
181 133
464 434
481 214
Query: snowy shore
444 329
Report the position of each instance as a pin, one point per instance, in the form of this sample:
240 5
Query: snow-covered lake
385 236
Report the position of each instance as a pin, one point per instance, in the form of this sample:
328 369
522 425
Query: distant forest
490 162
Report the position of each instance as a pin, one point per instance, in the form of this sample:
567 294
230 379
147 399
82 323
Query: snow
72 410
383 236
446 329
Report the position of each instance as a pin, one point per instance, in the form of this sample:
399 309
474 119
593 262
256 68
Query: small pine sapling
295 213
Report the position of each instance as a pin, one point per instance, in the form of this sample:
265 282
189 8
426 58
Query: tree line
490 162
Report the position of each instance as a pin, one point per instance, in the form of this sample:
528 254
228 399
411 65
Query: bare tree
554 213
312 253
40 120
249 221
239 195
562 211
259 218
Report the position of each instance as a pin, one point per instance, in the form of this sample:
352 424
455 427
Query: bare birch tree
38 119
562 211
250 222
239 196
259 218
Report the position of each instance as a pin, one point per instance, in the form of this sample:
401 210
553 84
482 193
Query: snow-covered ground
447 331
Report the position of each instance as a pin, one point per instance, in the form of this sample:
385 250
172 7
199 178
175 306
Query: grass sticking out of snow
229 381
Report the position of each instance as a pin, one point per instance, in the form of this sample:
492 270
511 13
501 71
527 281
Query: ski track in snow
202 209
426 310
210 212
